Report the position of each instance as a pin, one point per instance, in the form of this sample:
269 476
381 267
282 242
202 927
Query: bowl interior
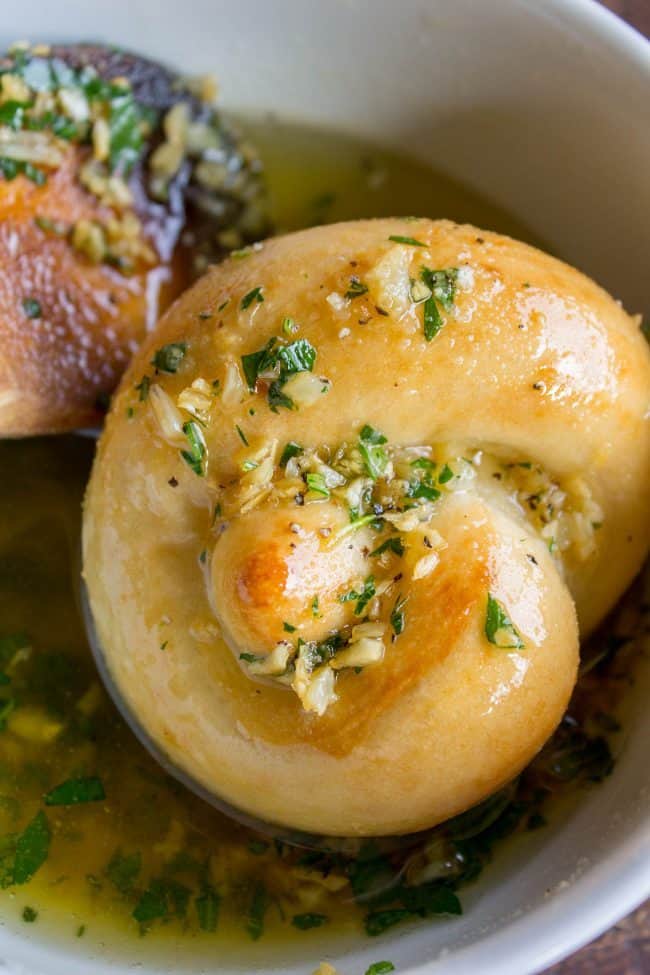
543 109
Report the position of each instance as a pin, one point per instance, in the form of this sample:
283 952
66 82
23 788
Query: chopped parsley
398 239
315 654
75 791
128 120
445 475
397 620
254 295
306 921
32 307
423 489
426 900
442 285
298 356
316 483
314 606
11 114
380 968
379 921
249 658
207 909
169 357
291 449
375 458
161 899
362 598
257 908
288 627
356 288
32 848
393 544
10 168
423 464
29 915
289 327
499 628
276 398
277 362
151 905
123 869
195 456
125 119
282 360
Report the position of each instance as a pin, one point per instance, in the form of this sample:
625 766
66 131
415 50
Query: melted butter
316 177
73 728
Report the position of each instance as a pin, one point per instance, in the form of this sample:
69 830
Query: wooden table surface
625 948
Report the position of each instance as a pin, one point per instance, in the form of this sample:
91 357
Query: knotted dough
477 402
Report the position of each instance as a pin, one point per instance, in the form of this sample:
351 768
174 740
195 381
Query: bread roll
353 502
102 171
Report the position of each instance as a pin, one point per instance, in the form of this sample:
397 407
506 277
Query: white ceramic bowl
541 105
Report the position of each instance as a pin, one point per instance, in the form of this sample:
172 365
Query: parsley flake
249 658
356 288
32 307
75 791
362 598
397 619
143 388
393 544
375 458
445 475
306 921
316 483
169 357
207 909
291 449
398 239
32 848
123 869
254 295
277 362
195 456
256 910
442 284
499 628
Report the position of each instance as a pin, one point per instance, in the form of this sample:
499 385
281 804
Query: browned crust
54 368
